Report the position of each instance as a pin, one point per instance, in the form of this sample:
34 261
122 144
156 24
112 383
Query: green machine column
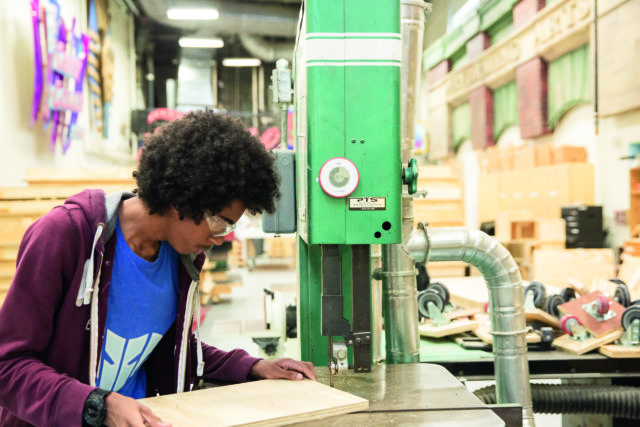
348 166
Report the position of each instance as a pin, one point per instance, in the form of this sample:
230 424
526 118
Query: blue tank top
142 305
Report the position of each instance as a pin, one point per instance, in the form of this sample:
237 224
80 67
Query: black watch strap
95 408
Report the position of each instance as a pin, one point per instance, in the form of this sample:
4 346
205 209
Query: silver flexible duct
399 293
506 302
267 51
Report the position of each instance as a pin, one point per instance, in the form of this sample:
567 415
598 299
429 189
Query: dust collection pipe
399 293
506 302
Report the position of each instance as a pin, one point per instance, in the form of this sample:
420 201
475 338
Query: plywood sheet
258 403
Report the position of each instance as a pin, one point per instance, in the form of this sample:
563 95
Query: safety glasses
218 226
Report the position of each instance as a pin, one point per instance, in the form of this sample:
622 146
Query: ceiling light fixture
193 14
241 62
212 43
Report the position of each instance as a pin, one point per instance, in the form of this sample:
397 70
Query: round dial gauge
339 177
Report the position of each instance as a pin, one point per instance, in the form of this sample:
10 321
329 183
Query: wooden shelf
634 202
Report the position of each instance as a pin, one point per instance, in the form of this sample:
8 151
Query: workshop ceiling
262 23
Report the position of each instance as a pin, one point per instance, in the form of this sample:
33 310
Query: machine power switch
339 177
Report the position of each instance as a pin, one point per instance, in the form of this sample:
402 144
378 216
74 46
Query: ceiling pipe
265 50
235 18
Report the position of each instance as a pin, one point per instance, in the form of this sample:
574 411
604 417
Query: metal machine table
548 365
412 394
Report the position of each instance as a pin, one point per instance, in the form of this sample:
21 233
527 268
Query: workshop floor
240 317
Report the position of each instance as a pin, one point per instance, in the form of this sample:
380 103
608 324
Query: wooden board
482 331
597 328
456 327
556 266
257 403
568 344
620 351
92 178
537 315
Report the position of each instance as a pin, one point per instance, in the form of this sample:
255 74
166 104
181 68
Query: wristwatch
95 408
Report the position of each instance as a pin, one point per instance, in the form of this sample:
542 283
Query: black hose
617 401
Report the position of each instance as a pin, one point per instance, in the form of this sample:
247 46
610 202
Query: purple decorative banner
60 65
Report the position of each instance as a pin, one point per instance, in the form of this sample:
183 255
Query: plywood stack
443 206
21 206
236 257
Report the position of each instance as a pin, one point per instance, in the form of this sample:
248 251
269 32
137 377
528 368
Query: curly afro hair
201 163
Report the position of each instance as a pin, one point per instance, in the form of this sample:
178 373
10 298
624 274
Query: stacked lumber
213 284
21 206
443 205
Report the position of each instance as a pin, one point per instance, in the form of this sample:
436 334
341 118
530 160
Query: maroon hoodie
45 328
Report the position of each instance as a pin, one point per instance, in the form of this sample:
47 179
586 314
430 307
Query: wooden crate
280 247
542 154
568 154
524 158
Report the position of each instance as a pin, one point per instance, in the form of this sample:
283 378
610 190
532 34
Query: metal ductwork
265 50
506 302
235 18
399 292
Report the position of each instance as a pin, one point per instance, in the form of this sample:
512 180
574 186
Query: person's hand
287 369
124 411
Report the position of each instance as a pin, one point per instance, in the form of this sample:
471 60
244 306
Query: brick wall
525 10
481 105
531 80
477 44
439 71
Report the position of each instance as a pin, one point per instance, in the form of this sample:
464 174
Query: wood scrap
537 315
483 329
568 344
455 327
617 351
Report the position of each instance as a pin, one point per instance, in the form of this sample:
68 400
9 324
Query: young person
100 309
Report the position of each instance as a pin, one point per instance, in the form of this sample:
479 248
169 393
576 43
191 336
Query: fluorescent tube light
193 14
241 62
212 43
